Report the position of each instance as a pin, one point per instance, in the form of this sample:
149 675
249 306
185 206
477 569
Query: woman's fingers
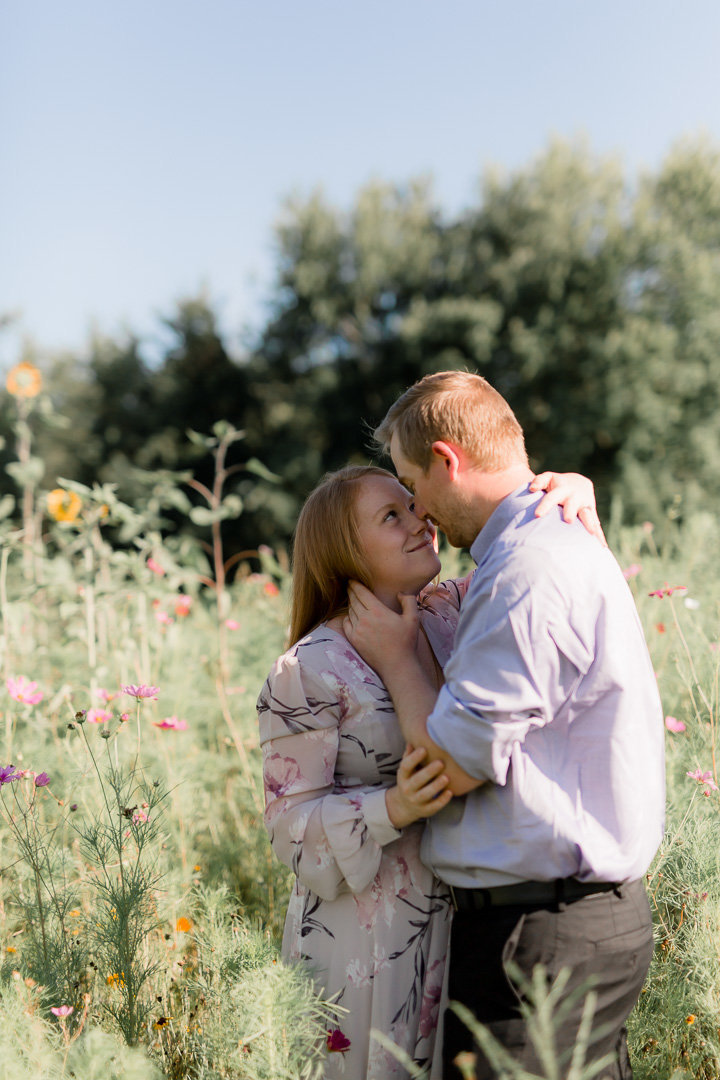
591 521
541 481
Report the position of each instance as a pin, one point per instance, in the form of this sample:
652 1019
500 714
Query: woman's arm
332 840
575 493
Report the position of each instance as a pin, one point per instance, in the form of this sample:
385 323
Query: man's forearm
414 697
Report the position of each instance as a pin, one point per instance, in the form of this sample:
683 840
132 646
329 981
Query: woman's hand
421 790
575 493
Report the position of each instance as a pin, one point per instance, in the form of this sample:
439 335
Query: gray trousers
605 935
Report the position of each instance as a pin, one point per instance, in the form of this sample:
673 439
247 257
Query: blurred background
282 214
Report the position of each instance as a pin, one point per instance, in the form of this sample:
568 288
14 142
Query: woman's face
398 546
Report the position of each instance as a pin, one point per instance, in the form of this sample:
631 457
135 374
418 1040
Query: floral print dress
369 919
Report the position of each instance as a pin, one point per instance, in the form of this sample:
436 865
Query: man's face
437 496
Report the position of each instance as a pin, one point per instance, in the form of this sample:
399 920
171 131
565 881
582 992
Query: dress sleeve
331 839
439 613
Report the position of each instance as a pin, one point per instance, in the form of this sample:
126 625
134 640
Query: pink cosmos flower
672 724
139 817
703 778
105 695
8 774
232 624
667 590
183 603
62 1010
632 571
42 780
163 618
141 691
337 1043
98 716
155 567
24 691
171 723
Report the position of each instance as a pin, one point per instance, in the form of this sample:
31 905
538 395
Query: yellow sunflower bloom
24 380
64 505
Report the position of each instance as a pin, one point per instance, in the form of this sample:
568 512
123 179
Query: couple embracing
453 771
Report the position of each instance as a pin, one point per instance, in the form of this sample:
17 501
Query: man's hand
383 637
420 791
575 493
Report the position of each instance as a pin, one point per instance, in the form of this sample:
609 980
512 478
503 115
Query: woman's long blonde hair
326 551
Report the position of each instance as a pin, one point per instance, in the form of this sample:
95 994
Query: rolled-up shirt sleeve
331 839
511 667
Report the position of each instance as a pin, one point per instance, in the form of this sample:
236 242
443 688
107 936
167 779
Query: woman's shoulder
448 595
323 655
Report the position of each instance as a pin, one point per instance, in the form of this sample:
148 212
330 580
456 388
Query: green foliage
588 298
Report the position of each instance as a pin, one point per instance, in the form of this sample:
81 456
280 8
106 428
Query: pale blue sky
146 147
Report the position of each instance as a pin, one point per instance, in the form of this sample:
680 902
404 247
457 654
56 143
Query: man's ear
449 455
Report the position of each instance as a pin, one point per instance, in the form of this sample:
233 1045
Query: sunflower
64 505
24 380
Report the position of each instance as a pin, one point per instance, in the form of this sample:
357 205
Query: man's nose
420 512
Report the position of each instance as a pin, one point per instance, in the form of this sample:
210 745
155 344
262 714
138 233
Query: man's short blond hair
456 407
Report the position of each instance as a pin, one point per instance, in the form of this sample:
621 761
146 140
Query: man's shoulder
548 553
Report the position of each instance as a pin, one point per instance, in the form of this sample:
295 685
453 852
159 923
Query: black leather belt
561 891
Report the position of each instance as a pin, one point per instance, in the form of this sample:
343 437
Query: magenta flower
98 716
232 624
672 724
24 691
141 691
171 723
155 567
703 778
42 779
163 618
337 1043
667 590
8 774
62 1010
105 695
632 571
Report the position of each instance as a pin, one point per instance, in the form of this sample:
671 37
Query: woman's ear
449 455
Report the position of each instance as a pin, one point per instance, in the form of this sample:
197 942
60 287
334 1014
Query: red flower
337 1043
660 627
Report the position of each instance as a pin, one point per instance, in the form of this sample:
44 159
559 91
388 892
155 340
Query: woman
344 802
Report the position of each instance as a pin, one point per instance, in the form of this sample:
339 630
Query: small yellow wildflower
24 380
115 980
183 925
11 948
64 505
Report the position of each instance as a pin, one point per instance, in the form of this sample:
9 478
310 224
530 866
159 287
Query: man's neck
493 487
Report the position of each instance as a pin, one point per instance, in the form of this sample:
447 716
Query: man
549 724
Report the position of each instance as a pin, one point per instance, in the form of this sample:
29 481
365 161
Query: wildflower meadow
141 907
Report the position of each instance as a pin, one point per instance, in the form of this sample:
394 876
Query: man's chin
457 539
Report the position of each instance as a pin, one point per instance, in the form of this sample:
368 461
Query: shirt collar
516 505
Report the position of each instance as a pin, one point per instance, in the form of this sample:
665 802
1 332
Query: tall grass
138 888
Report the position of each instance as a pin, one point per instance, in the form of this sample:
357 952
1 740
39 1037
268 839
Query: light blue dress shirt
550 696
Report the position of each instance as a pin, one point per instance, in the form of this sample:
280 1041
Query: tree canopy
591 303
